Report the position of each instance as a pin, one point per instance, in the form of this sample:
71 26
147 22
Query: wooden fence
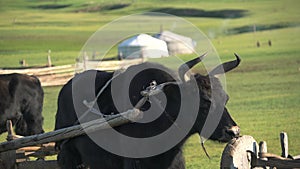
245 153
107 65
59 75
49 76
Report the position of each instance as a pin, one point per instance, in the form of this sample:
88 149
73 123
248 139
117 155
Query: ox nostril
234 131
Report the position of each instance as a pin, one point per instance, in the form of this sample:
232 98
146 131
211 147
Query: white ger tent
177 44
142 46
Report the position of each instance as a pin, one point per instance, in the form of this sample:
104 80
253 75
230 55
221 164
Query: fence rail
49 76
39 71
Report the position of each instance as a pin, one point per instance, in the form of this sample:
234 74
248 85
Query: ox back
82 152
21 102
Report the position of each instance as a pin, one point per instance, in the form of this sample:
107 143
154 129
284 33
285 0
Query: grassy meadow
264 90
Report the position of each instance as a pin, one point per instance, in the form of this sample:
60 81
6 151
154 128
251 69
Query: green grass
50 107
264 89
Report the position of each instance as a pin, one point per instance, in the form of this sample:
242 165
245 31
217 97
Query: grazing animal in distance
21 102
83 151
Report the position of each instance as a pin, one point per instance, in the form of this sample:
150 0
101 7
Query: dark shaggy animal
84 152
21 102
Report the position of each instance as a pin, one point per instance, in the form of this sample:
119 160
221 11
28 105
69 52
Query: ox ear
225 67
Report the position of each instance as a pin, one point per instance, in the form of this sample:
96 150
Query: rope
91 104
204 149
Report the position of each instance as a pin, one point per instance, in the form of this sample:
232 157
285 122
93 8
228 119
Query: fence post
284 144
263 149
23 63
49 64
85 59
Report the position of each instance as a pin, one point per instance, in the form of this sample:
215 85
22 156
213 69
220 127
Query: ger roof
170 36
141 40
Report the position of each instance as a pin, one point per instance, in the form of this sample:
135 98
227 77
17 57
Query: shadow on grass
98 8
192 12
252 28
52 6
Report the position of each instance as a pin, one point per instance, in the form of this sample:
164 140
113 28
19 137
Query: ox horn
188 65
225 67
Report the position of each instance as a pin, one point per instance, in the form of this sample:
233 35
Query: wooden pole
284 144
49 58
73 131
10 130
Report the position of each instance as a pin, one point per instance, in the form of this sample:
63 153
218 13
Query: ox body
21 102
84 152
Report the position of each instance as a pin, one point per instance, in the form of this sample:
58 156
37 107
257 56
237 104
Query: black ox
21 102
82 152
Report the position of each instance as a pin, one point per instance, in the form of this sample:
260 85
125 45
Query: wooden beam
73 131
40 151
44 147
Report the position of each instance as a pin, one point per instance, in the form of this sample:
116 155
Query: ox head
170 97
226 128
